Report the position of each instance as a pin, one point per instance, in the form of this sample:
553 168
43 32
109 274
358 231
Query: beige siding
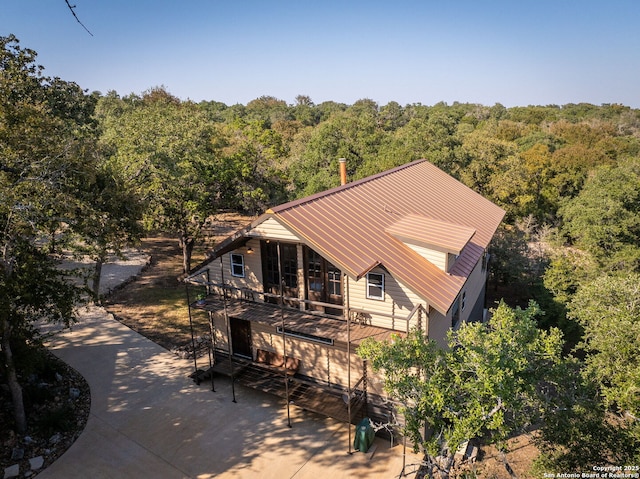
324 363
451 260
272 229
438 258
439 324
398 301
220 332
473 288
252 268
302 284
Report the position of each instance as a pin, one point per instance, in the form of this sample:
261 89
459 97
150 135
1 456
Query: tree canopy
91 170
489 384
608 309
46 155
604 218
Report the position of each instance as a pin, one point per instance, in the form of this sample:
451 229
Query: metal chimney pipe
343 171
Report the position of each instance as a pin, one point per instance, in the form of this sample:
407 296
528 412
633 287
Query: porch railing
247 294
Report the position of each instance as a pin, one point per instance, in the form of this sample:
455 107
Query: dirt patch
494 464
155 304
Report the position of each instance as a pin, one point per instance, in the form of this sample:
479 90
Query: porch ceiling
296 320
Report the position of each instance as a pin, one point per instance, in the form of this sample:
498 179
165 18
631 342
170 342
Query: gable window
375 286
455 314
237 265
463 301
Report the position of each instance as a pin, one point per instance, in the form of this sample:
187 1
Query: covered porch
344 401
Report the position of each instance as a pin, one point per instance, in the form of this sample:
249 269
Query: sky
517 52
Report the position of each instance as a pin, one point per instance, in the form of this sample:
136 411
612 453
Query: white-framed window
237 265
375 286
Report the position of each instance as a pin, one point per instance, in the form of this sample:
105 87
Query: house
297 290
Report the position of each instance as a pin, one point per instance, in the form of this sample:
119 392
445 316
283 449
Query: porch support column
226 319
284 336
347 313
212 331
196 377
212 357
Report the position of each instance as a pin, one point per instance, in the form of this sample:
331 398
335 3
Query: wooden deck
305 394
303 321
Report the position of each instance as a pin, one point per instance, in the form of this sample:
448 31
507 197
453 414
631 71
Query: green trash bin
364 435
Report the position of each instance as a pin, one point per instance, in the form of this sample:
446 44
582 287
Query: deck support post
348 314
212 355
365 385
226 319
212 331
196 378
284 337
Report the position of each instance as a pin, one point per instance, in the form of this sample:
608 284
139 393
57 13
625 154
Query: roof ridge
337 189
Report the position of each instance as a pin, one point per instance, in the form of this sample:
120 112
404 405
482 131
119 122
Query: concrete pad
149 420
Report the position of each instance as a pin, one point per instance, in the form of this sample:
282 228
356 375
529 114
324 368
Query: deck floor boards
323 400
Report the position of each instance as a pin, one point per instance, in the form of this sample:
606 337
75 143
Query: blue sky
518 52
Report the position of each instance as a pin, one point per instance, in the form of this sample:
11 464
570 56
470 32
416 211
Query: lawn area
155 304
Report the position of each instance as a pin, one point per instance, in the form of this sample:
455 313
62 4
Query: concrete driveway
149 420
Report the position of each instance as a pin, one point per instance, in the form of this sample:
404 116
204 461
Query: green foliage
47 146
510 259
486 385
163 148
604 219
578 432
609 311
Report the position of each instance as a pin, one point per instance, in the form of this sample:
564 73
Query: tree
268 109
165 149
578 432
489 384
32 287
510 256
353 134
604 219
46 144
486 157
252 173
432 138
608 309
110 223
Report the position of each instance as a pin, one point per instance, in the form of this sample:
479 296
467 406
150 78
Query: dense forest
94 171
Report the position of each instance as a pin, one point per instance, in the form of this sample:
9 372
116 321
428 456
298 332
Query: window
237 265
310 337
375 286
455 314
314 272
485 261
463 301
334 282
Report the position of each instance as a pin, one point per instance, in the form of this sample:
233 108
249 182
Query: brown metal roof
438 235
348 224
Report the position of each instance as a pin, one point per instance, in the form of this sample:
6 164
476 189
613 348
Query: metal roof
348 225
430 233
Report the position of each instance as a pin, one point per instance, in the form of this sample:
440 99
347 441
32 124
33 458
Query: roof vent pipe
343 171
